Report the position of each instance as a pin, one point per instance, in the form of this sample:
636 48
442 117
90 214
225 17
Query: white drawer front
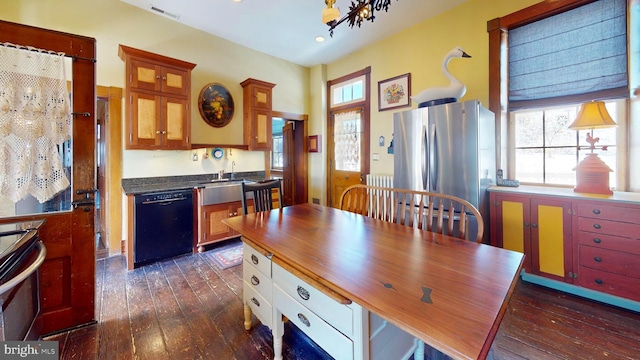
258 304
328 338
257 280
338 315
259 261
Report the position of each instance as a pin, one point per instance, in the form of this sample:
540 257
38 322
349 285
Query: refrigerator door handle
434 167
425 158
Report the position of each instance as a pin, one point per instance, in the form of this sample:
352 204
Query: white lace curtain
35 118
346 137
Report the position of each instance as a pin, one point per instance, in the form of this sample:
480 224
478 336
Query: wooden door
102 111
288 165
67 276
348 151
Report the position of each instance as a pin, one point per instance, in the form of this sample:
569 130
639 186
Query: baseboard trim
580 291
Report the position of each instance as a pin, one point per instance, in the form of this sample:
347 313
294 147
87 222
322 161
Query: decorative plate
216 105
217 153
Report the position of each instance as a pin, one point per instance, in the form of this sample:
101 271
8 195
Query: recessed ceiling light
319 38
237 0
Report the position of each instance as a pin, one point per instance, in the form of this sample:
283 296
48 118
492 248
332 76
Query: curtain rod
31 48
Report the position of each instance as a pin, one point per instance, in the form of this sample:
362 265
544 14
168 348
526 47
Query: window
553 57
546 151
277 161
348 92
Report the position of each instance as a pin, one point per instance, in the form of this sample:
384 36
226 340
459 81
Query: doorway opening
288 158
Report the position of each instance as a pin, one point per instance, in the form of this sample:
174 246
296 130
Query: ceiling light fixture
358 11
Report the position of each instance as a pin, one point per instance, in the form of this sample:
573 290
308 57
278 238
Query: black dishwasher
163 225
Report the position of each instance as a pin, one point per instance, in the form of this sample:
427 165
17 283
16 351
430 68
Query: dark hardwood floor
187 308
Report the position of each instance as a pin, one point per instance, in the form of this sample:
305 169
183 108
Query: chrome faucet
233 175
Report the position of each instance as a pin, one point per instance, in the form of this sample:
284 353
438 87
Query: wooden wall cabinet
580 242
539 227
158 96
257 114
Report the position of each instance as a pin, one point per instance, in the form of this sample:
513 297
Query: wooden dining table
447 292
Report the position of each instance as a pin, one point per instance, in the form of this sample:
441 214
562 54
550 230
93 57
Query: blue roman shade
576 56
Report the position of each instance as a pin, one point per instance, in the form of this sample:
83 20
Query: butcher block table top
450 293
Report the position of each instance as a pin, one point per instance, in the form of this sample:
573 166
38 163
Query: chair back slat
262 192
441 213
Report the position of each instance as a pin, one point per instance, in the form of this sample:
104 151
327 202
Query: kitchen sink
222 191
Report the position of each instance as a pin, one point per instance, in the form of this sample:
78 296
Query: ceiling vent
165 13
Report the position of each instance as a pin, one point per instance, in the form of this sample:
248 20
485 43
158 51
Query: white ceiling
287 28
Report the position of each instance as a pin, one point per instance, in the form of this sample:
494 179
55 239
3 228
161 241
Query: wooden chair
441 213
263 199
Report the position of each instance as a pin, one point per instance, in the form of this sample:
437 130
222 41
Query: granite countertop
166 183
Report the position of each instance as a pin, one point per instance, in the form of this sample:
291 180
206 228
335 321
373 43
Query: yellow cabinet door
539 227
551 238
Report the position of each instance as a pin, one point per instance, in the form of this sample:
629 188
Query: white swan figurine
455 90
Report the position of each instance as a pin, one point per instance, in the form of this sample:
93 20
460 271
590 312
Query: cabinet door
261 127
213 228
145 128
145 75
510 224
174 81
175 124
551 252
261 97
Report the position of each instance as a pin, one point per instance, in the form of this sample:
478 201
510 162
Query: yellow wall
419 50
112 22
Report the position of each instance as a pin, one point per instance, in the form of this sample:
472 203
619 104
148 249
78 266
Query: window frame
497 30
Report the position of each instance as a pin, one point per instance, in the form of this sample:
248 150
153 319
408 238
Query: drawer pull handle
596 226
255 280
254 259
255 301
534 225
597 259
597 241
526 224
596 211
304 293
599 282
304 320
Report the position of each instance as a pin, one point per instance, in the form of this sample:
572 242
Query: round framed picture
216 105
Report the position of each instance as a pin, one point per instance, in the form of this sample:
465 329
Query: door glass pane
347 137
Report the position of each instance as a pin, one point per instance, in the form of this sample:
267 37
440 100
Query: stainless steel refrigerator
448 148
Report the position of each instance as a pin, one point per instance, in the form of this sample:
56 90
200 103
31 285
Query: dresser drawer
600 226
338 315
258 304
257 259
329 339
611 242
256 279
609 260
614 284
609 212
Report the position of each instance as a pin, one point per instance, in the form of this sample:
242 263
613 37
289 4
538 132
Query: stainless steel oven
21 254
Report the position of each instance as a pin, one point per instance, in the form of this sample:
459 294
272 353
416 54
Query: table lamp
592 174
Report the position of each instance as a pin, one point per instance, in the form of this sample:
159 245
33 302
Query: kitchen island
449 293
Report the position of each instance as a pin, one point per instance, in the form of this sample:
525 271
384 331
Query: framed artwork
216 105
394 92
314 143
